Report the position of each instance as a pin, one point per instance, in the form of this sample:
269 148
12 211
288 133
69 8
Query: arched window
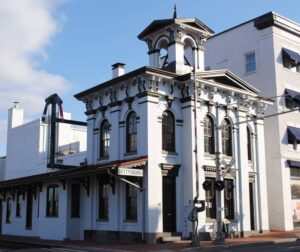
249 145
168 131
226 138
209 140
131 132
104 139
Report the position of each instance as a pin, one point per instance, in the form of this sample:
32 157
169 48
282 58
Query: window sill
103 158
56 216
206 154
102 220
130 153
210 220
131 221
75 217
28 228
19 216
251 72
172 153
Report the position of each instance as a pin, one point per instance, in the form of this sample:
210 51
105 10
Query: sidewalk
272 237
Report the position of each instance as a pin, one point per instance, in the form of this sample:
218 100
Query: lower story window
52 201
228 199
8 211
103 201
211 200
131 203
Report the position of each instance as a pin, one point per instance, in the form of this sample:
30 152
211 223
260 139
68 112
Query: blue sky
78 41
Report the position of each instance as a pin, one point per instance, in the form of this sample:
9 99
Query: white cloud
26 29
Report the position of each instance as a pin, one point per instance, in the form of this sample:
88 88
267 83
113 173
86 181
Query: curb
246 244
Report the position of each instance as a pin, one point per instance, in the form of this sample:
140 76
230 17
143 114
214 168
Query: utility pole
195 239
220 236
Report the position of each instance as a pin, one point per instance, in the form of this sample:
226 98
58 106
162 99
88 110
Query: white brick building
142 123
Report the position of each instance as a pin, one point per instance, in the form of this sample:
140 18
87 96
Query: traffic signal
206 185
219 185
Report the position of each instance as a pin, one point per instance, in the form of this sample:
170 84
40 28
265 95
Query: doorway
251 199
169 203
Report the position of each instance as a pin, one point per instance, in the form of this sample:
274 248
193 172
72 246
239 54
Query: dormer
176 44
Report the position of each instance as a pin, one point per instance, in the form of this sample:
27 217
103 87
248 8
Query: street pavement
273 241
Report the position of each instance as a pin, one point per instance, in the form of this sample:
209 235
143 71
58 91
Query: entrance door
251 198
169 204
29 210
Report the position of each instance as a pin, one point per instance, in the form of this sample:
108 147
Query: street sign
130 172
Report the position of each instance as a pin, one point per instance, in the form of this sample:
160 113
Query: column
243 174
261 176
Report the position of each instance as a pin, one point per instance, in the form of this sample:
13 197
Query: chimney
15 116
118 69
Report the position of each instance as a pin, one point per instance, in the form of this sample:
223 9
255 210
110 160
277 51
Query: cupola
176 44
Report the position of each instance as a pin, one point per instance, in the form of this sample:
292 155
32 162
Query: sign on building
130 172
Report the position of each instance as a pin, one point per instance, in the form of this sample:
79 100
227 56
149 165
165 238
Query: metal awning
293 164
292 55
295 132
291 94
73 173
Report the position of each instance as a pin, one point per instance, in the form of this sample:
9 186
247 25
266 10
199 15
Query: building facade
265 52
140 178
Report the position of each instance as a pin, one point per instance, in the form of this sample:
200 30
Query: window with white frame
250 62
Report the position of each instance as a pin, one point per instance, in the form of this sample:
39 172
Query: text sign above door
130 172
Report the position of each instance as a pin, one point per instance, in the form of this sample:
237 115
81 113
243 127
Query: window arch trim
131 132
209 134
226 135
168 131
104 137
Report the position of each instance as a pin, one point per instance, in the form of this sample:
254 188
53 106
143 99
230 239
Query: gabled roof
223 77
158 24
227 78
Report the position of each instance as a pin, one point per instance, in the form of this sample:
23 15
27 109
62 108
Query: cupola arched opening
162 46
189 53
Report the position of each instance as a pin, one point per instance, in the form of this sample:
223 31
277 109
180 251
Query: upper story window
292 98
52 201
249 144
250 62
168 131
209 140
226 138
8 210
75 201
104 139
291 60
131 132
293 134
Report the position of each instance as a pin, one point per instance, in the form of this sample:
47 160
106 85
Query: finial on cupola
175 12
